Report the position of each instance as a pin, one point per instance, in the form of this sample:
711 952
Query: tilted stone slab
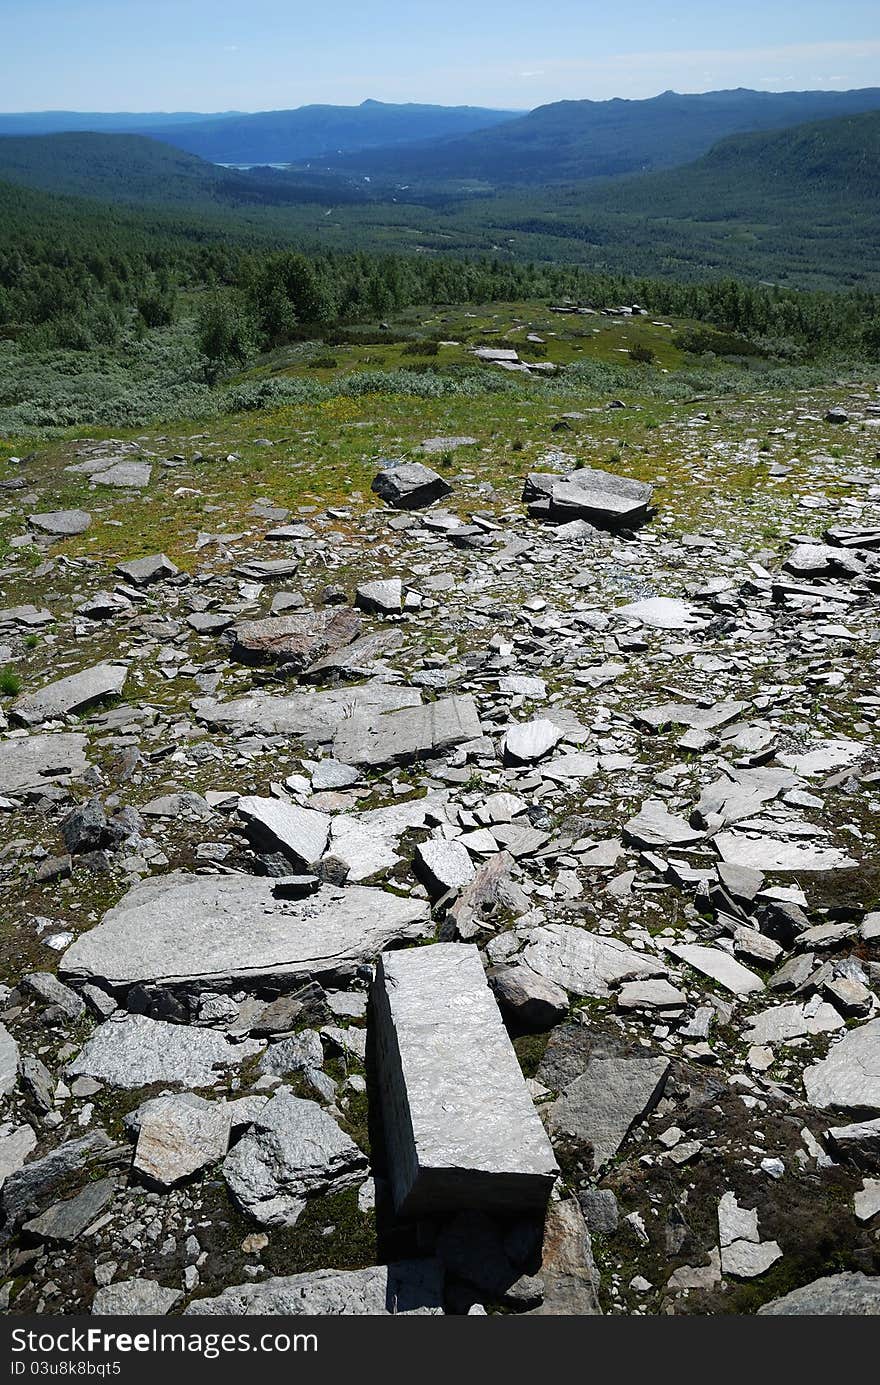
312 716
410 1286
219 929
410 486
415 733
460 1127
32 762
301 833
72 694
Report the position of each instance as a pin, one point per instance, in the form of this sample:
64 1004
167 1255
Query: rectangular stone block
461 1130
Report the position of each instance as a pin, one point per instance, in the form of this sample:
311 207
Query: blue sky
208 55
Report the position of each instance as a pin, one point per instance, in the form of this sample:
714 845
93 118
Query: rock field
465 899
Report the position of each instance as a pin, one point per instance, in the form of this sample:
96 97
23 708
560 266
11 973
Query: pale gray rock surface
601 1106
301 833
136 1051
144 571
848 1079
292 1152
409 1286
9 1059
835 1295
584 963
414 733
72 694
530 741
61 523
134 1297
771 854
182 928
178 1135
36 761
460 1126
720 966
410 486
312 716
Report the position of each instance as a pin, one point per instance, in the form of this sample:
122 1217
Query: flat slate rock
410 486
181 928
312 716
602 497
61 523
528 741
9 1059
297 640
135 1051
72 694
460 1127
356 660
720 967
586 964
835 1295
848 1079
772 854
686 714
601 1106
134 1297
31 763
292 1152
660 612
128 475
414 733
409 1286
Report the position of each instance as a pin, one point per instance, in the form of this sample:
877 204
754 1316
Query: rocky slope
629 756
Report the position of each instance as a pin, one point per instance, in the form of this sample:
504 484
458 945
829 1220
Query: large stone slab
178 1135
720 966
9 1057
601 1106
460 1126
585 963
602 497
221 929
136 1051
300 833
312 716
772 854
848 1079
72 694
293 1151
415 733
296 640
124 475
61 524
410 486
410 1286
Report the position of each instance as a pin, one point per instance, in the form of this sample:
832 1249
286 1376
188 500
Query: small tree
225 333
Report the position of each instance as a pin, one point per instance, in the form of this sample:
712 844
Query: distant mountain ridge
267 137
575 140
